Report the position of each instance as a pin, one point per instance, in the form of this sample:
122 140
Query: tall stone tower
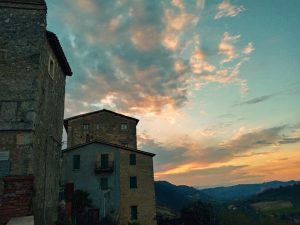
33 70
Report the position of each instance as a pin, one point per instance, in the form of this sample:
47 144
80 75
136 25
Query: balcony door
104 160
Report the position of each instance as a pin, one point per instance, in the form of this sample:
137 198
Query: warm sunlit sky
215 83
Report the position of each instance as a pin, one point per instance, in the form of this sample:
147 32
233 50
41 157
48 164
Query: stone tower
33 70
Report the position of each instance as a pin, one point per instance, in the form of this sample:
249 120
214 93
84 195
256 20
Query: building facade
102 125
33 70
118 177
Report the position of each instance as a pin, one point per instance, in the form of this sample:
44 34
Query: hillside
243 191
175 197
289 193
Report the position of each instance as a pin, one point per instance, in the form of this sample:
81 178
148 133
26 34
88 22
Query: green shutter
104 160
132 160
76 162
133 212
133 182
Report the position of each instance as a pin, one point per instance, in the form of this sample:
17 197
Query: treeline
199 213
288 193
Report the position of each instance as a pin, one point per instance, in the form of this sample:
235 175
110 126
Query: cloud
227 48
256 100
142 58
167 155
225 9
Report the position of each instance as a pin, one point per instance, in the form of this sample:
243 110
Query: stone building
103 160
33 70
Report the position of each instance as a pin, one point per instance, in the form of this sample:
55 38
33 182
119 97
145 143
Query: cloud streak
225 9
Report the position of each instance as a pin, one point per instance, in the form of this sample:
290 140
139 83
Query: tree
198 213
81 202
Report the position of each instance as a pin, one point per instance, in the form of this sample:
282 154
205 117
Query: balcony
104 167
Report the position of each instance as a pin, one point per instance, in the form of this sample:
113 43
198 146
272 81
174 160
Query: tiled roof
25 1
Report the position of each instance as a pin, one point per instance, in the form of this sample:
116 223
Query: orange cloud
225 9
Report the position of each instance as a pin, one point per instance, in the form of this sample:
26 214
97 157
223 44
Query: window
133 182
132 159
86 126
98 125
104 161
133 212
124 127
104 183
76 162
125 145
51 67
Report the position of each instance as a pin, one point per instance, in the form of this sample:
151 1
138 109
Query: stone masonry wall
143 196
109 130
48 137
31 103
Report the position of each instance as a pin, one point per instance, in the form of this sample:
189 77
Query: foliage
65 221
134 223
81 201
198 213
288 193
109 220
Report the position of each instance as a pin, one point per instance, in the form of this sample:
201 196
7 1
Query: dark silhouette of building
33 70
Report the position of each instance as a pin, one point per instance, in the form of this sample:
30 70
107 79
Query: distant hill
176 197
243 191
289 193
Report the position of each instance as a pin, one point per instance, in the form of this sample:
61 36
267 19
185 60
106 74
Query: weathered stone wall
143 196
48 137
109 129
31 103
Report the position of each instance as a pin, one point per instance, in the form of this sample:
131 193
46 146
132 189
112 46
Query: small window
124 126
133 212
51 67
125 145
132 159
76 162
86 126
133 182
104 183
98 125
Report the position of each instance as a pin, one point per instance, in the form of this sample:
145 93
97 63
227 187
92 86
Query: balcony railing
104 168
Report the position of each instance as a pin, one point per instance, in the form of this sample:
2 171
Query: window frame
133 212
133 182
86 126
74 162
124 127
104 157
51 66
98 126
132 159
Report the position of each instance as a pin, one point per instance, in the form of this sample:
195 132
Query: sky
215 84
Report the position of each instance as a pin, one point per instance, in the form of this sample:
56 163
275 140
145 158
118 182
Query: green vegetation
276 206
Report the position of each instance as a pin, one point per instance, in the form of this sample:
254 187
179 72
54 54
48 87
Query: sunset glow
215 84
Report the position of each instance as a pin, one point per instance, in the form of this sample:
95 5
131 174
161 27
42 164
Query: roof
95 112
109 144
25 1
59 53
